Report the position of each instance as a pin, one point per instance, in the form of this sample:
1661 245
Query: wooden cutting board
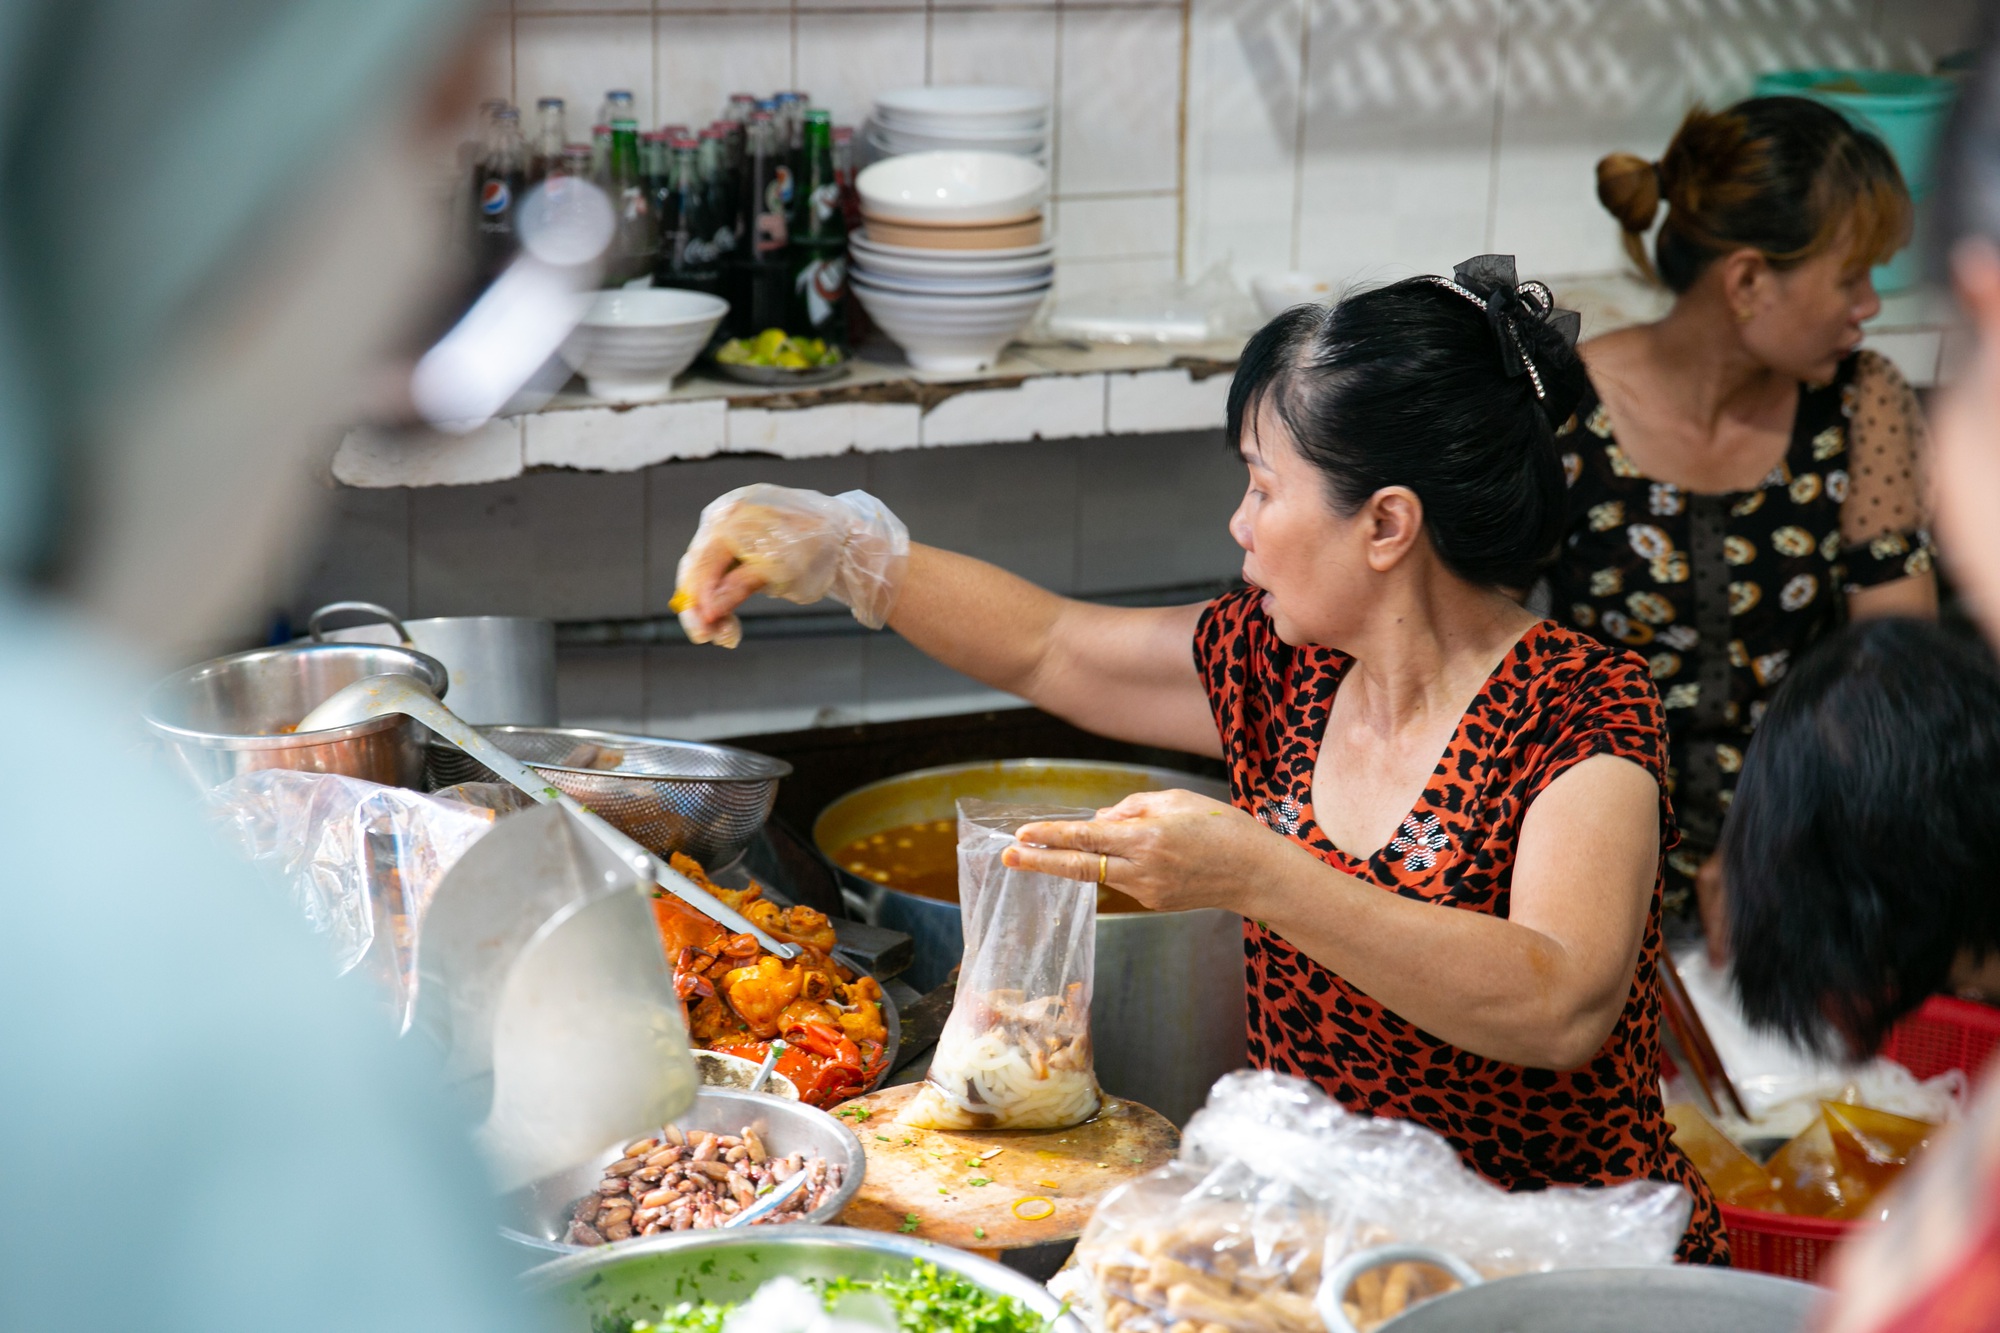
928 1183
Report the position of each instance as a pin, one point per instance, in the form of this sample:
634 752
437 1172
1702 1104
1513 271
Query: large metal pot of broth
1166 1011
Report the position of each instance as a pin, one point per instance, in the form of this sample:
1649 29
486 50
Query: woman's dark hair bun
1426 384
1629 188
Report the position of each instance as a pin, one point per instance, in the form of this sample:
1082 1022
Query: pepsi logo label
494 196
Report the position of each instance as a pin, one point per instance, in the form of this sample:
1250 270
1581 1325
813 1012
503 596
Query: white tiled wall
1369 139
1113 70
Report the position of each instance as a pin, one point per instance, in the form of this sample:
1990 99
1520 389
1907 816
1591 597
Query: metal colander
707 801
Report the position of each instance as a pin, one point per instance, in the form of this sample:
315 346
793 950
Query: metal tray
778 375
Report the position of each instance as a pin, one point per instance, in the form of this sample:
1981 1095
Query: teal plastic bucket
1906 111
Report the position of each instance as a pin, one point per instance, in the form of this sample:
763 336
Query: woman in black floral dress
1742 478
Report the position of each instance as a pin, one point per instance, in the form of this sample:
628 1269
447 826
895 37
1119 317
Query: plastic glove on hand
795 544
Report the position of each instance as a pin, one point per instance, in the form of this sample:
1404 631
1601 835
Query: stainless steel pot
503 668
230 715
537 1215
638 1279
1167 1009
1669 1298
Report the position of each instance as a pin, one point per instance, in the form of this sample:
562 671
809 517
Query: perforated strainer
707 801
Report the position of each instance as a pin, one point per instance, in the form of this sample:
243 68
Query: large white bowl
989 105
633 342
952 187
954 286
950 333
969 134
975 264
860 242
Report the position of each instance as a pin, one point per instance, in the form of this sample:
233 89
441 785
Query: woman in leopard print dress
1449 817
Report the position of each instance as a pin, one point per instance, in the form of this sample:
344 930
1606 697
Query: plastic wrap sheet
361 859
1015 1051
1276 1184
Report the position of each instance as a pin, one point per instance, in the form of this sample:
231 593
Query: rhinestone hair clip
1507 301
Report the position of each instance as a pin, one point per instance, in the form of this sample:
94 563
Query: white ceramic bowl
947 264
989 105
892 143
955 285
962 135
952 187
861 243
950 333
1278 292
632 343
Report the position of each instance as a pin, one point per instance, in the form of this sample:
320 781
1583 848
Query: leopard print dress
1557 699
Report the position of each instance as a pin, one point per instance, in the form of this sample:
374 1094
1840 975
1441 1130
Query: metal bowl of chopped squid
747 1147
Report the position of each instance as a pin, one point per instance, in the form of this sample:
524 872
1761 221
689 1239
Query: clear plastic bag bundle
1276 1184
1015 1052
361 859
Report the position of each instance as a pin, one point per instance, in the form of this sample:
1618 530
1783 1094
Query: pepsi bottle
499 177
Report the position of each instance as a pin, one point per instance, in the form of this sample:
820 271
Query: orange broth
922 858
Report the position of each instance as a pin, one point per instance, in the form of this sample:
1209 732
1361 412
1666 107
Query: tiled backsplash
1351 138
1371 139
1098 516
1112 70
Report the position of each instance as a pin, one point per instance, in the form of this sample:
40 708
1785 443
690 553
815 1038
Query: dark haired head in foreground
1859 847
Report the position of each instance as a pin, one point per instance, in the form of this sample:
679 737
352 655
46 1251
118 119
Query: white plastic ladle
374 696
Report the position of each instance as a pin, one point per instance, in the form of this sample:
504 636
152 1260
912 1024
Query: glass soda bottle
711 156
819 243
690 256
499 178
551 137
762 288
636 243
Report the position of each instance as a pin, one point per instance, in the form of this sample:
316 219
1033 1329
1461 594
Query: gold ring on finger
1103 868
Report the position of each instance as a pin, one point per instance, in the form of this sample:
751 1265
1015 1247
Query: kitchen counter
1038 390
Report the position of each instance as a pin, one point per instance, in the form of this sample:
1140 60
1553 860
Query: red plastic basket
1945 1033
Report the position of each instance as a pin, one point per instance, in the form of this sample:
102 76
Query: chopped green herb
881 1138
979 1180
925 1300
979 1233
910 1223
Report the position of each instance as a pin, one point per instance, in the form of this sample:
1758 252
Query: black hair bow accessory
1507 302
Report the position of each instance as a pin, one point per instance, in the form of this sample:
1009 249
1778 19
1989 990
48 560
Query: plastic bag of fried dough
1276 1184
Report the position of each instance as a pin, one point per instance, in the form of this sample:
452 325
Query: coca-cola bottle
712 156
499 177
689 254
819 242
761 291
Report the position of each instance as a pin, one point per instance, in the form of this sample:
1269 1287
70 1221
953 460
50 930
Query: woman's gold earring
1743 316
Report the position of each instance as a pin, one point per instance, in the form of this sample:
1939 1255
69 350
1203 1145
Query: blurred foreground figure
215 217
1935 1265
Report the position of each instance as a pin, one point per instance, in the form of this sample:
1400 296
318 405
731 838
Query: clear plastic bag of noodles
1015 1052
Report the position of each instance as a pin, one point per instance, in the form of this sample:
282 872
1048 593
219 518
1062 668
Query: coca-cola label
494 196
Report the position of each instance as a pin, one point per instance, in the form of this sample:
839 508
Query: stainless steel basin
233 714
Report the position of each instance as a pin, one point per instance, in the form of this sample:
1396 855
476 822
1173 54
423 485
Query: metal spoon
785 1190
373 696
763 1075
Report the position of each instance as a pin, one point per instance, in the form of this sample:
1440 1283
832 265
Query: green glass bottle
819 242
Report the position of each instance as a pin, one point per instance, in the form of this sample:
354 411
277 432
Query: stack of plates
949 310
974 116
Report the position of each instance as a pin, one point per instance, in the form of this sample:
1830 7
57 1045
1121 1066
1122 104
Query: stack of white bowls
954 261
972 116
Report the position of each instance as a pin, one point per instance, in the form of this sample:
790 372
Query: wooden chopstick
1692 1034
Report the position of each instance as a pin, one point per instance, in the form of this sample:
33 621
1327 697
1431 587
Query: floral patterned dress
1557 699
1721 593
